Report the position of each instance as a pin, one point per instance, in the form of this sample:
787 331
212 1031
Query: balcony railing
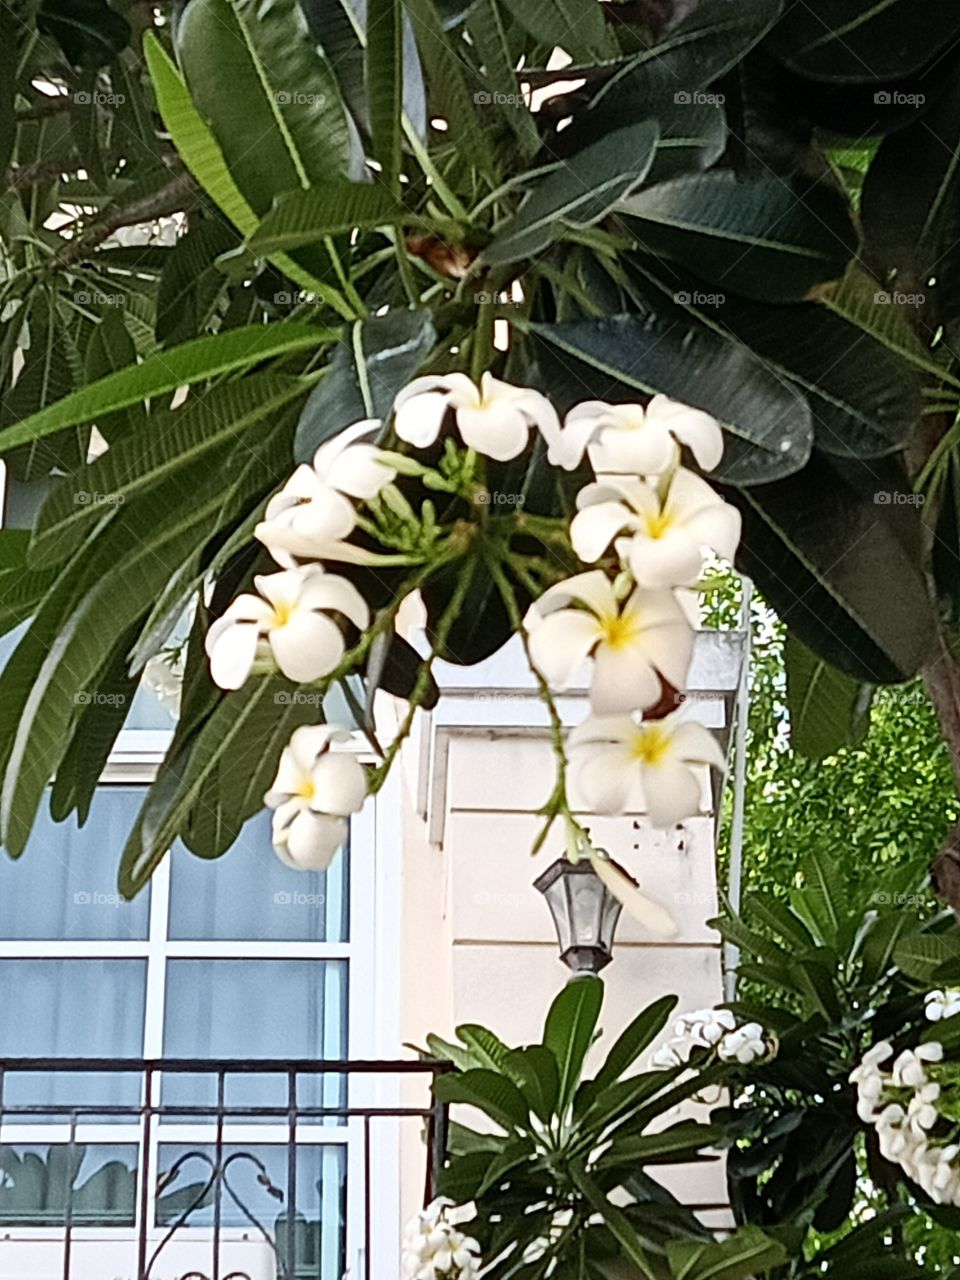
120 1169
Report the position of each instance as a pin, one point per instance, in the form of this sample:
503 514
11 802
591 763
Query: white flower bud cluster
435 1249
718 1030
904 1104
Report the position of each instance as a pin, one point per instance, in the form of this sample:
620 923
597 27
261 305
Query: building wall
478 940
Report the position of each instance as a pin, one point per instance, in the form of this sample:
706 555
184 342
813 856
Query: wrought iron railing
142 1129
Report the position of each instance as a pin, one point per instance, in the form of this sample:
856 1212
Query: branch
171 198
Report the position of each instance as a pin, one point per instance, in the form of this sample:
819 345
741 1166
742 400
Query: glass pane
249 894
255 1175
65 885
71 1009
255 1009
35 1182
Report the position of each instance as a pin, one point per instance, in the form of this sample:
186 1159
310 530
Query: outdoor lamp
585 914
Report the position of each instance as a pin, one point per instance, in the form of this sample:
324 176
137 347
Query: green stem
481 357
444 193
346 284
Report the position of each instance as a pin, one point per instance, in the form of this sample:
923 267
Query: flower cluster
435 1249
941 1004
912 1103
716 1030
644 524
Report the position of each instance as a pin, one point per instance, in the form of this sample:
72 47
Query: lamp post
585 914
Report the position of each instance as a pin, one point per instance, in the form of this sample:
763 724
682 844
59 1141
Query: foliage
682 221
835 968
567 1183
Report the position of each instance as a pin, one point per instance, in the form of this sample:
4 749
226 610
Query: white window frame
372 955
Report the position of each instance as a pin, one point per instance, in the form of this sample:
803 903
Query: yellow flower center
657 525
650 744
620 630
282 613
306 790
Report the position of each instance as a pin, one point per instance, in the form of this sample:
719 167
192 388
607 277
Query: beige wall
477 939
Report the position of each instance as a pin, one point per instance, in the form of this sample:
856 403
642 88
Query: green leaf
766 909
492 1093
111 348
631 1042
857 42
293 130
686 1138
191 362
837 552
462 1059
824 894
767 422
760 238
199 151
576 25
487 1048
880 944
616 1220
747 1253
44 378
385 82
920 955
394 347
569 1028
579 194
301 218
487 27
176 440
534 1071
191 282
828 710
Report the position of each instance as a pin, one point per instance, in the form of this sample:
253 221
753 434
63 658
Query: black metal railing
139 1128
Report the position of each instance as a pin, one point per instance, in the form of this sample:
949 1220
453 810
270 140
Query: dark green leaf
569 1029
760 238
828 710
492 1093
748 1252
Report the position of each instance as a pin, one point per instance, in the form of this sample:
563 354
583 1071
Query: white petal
560 644
499 430
311 841
695 742
692 427
418 419
311 741
671 560
231 647
635 902
359 472
340 786
283 590
307 647
718 528
605 774
644 452
671 791
593 528
331 449
329 591
593 589
623 680
289 778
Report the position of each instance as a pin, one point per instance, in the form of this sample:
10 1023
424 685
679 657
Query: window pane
255 1009
320 1198
249 894
65 885
35 1182
71 1009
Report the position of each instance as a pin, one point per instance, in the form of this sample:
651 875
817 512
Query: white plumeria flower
634 901
941 1004
667 1057
628 439
908 1071
706 1026
313 793
289 621
613 754
745 1045
435 1249
632 642
312 515
665 532
495 418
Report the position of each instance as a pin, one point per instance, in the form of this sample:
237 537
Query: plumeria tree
521 311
